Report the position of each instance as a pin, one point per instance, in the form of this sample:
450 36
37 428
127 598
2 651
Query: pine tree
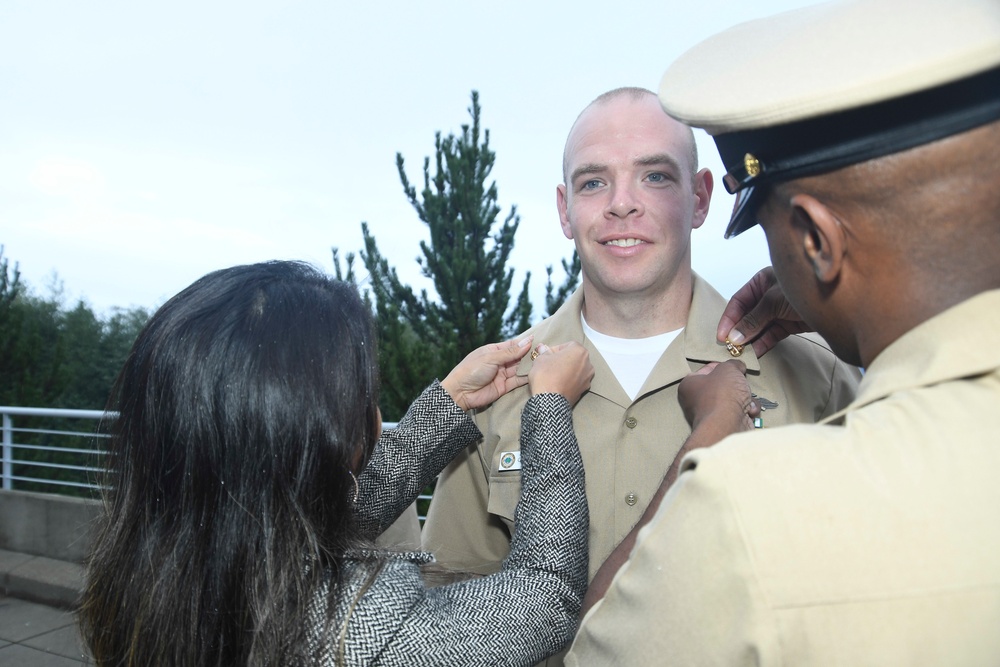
555 297
406 364
422 337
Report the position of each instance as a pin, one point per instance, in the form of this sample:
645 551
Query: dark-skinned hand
760 314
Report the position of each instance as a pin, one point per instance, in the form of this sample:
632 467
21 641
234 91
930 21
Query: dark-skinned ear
824 242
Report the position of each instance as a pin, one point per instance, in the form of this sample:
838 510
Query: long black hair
244 405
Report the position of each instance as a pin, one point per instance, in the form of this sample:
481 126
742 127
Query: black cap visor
826 143
745 207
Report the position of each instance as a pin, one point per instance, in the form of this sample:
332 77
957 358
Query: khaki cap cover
819 88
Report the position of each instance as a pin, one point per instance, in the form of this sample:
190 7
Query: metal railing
42 456
51 450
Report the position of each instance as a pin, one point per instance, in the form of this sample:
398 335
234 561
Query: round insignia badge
507 460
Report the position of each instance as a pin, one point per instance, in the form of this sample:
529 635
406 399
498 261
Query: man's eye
591 185
656 177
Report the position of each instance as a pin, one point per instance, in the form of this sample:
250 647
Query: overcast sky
144 144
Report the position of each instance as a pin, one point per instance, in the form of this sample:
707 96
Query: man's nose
624 202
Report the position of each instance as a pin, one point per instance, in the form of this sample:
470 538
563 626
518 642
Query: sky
144 144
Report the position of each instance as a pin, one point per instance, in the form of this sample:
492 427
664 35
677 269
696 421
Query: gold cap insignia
752 165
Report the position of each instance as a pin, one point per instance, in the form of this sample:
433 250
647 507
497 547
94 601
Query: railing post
8 452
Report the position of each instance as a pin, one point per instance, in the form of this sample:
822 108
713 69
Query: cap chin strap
819 145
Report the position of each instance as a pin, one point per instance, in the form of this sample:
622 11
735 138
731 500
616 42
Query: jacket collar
946 347
694 347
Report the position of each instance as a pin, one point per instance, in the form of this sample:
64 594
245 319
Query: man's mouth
624 243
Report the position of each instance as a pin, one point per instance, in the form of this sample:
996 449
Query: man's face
631 198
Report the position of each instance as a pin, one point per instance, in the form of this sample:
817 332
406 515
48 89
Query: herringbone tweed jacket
517 616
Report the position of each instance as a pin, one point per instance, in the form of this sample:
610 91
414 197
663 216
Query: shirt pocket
505 491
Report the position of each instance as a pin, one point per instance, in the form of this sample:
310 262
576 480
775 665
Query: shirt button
631 498
631 422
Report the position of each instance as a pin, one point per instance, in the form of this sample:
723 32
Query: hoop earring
355 499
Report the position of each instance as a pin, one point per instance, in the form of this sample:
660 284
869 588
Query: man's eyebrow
586 170
658 160
655 160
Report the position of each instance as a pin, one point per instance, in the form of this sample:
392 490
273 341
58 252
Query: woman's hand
564 369
487 373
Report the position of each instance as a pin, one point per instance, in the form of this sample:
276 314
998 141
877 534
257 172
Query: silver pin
765 403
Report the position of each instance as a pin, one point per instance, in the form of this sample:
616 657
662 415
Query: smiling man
633 195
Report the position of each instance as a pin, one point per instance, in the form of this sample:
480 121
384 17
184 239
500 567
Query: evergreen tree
556 297
56 358
466 260
406 364
32 353
10 285
10 288
95 349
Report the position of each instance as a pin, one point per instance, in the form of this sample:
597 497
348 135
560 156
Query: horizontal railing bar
56 412
54 482
51 448
48 431
57 466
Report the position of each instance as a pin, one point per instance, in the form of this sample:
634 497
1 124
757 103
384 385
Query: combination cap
820 88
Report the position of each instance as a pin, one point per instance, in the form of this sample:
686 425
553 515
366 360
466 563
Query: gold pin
734 349
752 165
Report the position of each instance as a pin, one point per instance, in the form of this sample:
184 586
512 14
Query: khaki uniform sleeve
404 533
687 595
459 530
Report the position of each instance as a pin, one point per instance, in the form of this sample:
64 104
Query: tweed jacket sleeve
408 457
517 616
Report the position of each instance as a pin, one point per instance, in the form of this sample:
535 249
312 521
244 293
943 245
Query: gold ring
534 354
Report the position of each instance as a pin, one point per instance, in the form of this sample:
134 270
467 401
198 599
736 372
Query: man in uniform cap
864 137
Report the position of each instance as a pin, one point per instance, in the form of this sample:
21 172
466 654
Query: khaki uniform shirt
404 533
871 540
627 445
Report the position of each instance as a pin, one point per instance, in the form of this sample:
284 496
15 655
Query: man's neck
639 315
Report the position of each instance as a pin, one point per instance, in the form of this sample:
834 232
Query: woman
248 480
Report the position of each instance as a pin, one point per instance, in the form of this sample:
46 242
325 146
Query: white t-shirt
630 359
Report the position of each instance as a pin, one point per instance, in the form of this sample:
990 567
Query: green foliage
10 285
466 259
94 350
555 297
56 358
51 357
422 337
32 352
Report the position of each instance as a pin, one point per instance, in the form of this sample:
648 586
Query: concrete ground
37 628
36 635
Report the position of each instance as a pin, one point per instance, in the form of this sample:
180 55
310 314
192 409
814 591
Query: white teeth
623 243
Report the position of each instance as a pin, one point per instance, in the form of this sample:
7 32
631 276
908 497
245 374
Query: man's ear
823 238
562 204
703 185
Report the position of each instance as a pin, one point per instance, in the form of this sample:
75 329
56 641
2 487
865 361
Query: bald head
634 95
